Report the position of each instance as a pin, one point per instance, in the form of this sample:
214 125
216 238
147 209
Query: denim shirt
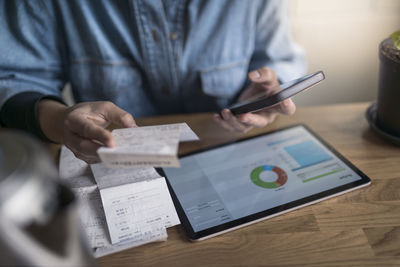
147 56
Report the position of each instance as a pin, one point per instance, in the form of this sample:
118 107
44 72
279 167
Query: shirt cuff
20 112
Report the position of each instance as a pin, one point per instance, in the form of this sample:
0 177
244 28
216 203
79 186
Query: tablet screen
244 178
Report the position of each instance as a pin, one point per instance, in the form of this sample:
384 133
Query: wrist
50 115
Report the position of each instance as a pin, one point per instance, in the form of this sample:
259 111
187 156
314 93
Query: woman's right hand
82 127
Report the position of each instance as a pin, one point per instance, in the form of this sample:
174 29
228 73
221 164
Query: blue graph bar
306 154
284 140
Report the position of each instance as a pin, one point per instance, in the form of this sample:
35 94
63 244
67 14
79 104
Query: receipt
89 190
92 215
70 166
132 210
186 134
147 146
94 222
108 177
157 235
73 171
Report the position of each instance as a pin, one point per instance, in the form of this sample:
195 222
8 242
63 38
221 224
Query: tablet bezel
272 212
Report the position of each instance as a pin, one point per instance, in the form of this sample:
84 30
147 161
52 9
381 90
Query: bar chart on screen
307 153
320 172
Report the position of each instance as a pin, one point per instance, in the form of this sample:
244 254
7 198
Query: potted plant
384 116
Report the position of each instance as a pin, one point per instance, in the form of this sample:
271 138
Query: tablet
288 90
233 185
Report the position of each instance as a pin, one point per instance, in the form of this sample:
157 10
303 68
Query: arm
275 57
31 62
32 73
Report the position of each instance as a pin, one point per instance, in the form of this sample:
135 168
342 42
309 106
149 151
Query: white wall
341 37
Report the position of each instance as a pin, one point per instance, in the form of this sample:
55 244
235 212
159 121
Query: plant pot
388 102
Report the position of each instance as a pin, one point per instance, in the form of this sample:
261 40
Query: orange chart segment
255 176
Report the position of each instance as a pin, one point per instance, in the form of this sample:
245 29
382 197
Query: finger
118 116
217 118
88 160
84 147
233 121
263 75
251 92
87 129
286 107
83 157
256 120
268 118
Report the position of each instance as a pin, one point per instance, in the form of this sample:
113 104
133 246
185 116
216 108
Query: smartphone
289 89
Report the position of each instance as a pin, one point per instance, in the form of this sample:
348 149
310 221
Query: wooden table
361 228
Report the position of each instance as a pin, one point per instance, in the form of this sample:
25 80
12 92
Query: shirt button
173 36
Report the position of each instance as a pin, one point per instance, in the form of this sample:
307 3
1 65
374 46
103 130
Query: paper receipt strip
147 146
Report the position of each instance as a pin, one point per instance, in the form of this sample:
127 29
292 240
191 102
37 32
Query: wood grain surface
361 228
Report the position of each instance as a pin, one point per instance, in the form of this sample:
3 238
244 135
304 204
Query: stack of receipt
155 146
125 207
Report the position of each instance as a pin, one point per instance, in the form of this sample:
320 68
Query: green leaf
396 39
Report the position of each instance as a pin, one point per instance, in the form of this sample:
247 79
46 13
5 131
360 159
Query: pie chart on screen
268 176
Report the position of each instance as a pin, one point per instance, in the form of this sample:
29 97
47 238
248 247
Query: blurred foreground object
384 115
39 223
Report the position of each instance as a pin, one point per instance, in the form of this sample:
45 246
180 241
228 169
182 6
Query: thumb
263 75
118 116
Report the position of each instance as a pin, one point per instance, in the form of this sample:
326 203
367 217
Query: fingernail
254 75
